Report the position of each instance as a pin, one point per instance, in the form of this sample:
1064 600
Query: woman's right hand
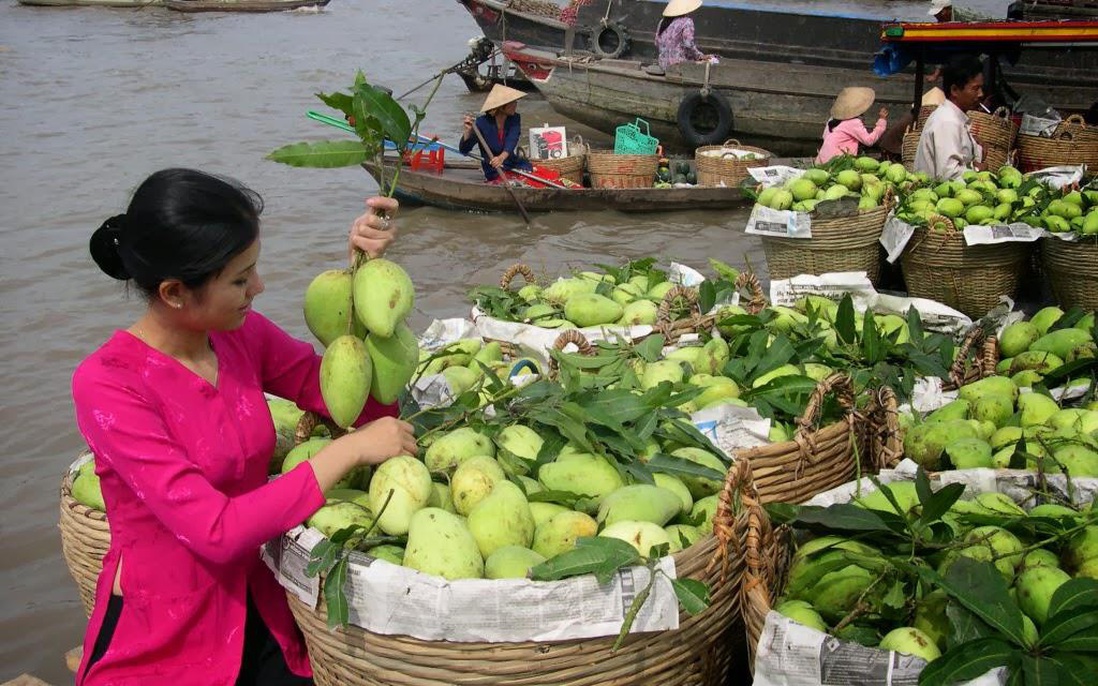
882 113
466 126
381 439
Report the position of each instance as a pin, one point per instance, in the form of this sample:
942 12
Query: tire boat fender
689 107
609 40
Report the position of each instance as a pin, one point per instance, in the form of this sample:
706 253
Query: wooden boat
242 5
461 187
132 4
792 52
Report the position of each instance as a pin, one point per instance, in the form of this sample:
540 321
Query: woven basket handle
837 384
514 270
889 199
583 346
309 421
736 496
1076 119
731 141
756 301
1001 112
663 314
989 355
974 336
936 219
883 424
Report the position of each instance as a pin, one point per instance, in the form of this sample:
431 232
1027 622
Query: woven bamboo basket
995 132
699 653
970 278
818 458
839 244
694 321
610 170
924 113
909 147
85 538
1072 269
718 165
1072 143
570 167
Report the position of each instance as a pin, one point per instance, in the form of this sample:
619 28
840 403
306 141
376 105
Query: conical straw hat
677 8
852 102
500 96
934 96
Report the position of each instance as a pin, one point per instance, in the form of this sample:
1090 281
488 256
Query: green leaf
616 406
967 662
1074 625
566 498
940 502
778 352
393 119
844 320
981 588
693 595
896 597
845 517
707 296
965 625
334 596
650 348
678 466
1039 672
322 155
1073 669
592 555
1074 594
873 348
322 557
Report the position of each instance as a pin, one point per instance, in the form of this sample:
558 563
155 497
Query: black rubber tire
713 108
610 40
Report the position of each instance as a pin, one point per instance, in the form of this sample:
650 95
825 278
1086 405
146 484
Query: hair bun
104 248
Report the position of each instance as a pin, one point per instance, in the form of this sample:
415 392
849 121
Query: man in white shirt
946 146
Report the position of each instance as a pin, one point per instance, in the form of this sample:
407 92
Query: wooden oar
505 184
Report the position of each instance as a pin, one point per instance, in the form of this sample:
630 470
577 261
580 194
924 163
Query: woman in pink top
173 408
845 130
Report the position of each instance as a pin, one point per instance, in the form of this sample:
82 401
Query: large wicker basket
1072 143
817 459
909 147
970 278
1072 269
838 244
85 538
995 132
570 167
610 170
718 164
699 653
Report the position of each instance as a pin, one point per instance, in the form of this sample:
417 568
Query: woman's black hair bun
104 246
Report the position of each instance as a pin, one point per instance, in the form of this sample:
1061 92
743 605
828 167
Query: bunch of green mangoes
868 180
1031 349
463 511
823 593
462 362
986 198
358 315
86 489
592 298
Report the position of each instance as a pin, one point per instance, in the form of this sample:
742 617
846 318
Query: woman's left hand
496 162
373 231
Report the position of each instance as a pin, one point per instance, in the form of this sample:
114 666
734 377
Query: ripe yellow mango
639 502
559 534
511 562
439 543
473 480
339 515
345 377
581 474
454 447
502 518
641 535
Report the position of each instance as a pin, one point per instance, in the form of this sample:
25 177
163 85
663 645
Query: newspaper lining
390 599
775 175
732 427
790 654
1061 176
895 236
765 221
1017 232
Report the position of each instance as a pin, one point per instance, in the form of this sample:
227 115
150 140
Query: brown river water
93 100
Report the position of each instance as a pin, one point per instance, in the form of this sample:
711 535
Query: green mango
346 374
87 491
511 562
409 483
502 518
641 535
1061 342
639 502
383 296
439 543
590 309
473 480
682 536
393 363
454 447
559 534
328 304
1017 337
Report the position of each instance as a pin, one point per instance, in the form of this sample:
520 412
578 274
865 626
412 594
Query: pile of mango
1008 196
86 489
864 178
872 602
468 509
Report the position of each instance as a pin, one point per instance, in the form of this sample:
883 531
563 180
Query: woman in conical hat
675 34
845 130
500 127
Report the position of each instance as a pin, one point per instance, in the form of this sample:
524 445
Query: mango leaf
592 555
1073 626
678 466
693 595
965 625
650 348
337 101
566 498
780 351
781 513
334 596
968 662
1076 593
1073 669
1086 366
940 502
844 321
393 119
846 517
320 155
322 557
640 472
707 296
572 429
615 406
982 590
874 349
808 577
896 597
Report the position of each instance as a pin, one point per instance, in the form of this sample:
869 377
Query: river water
93 100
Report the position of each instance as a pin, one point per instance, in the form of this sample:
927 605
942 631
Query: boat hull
242 5
93 3
461 187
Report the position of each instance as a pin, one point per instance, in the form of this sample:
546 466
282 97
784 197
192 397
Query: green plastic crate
630 140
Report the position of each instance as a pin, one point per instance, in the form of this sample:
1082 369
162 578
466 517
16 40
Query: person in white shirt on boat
675 34
946 145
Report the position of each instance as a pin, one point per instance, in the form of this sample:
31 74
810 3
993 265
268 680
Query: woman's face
224 301
510 108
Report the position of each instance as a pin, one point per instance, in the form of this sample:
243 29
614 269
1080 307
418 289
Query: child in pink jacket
845 130
173 408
